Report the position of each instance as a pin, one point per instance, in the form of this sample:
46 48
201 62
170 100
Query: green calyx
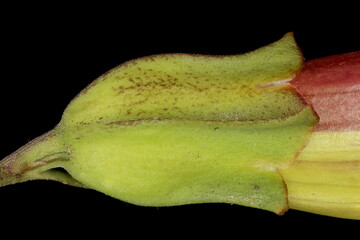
179 129
251 86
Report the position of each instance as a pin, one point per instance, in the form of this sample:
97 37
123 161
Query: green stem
36 159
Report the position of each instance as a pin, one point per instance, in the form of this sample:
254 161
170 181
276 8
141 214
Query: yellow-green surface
178 129
194 87
162 163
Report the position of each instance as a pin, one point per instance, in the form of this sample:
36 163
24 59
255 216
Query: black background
50 53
